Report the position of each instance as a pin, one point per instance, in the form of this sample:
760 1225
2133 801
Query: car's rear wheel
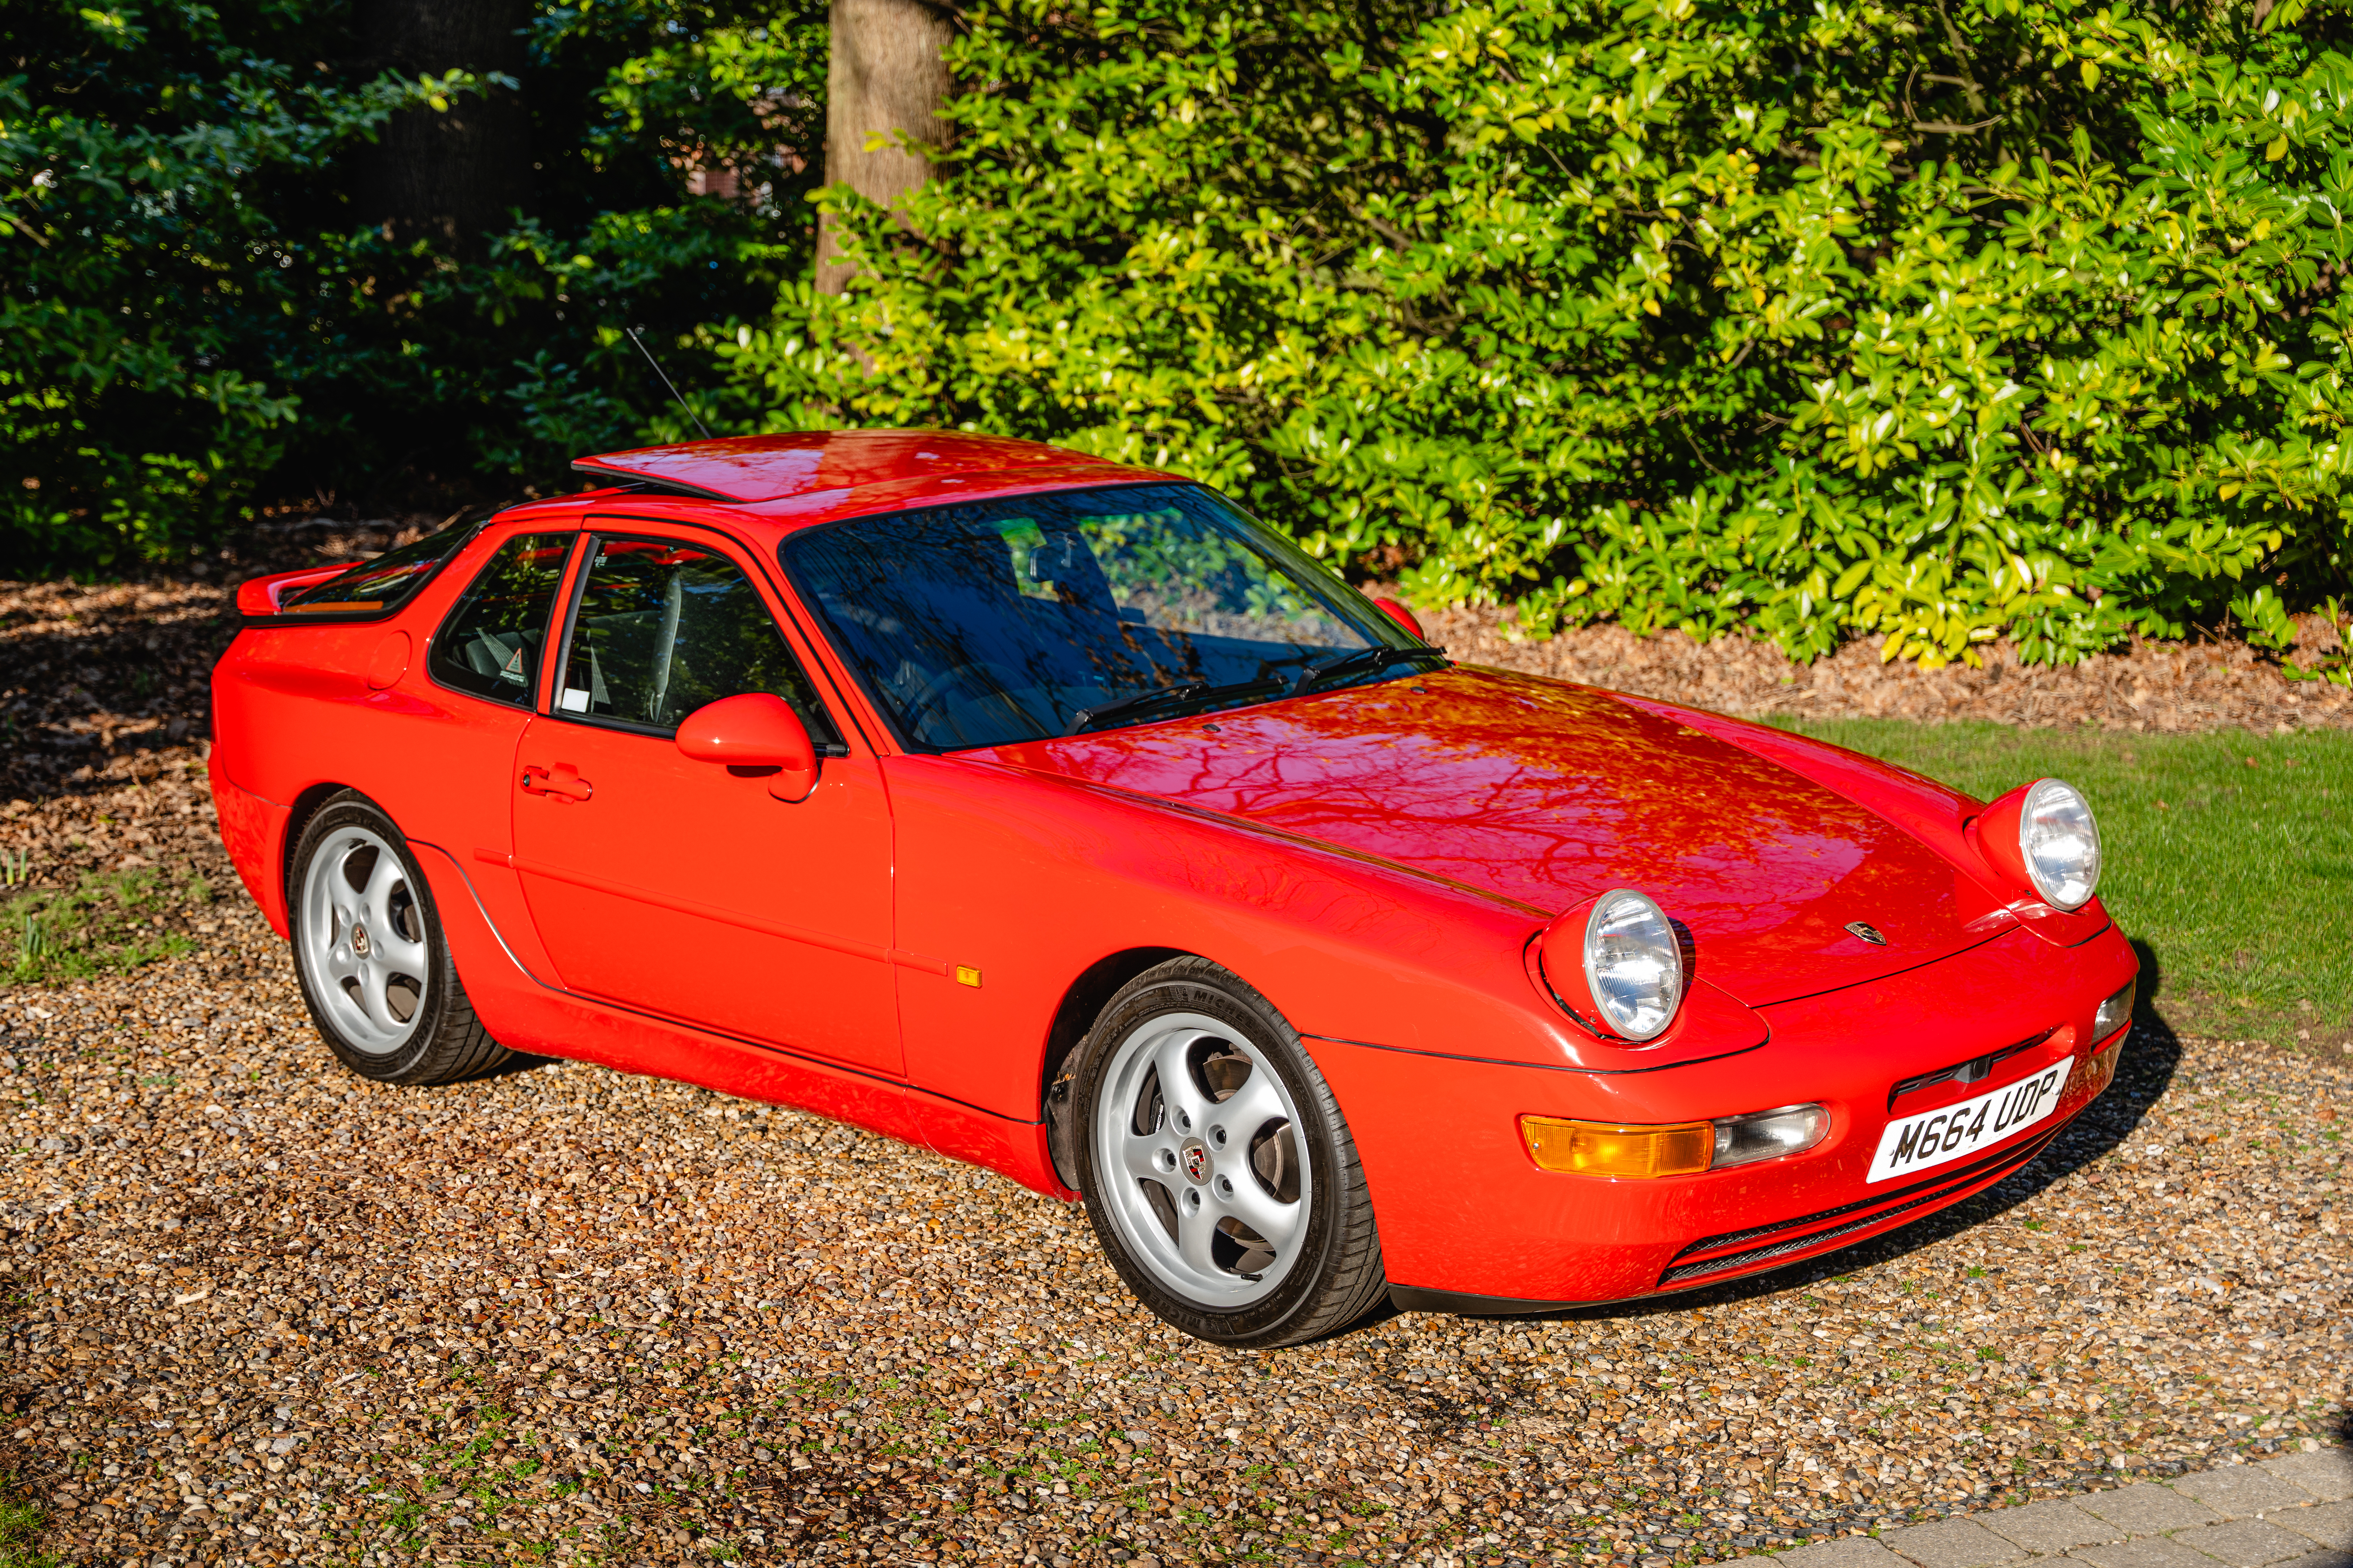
369 953
1218 1170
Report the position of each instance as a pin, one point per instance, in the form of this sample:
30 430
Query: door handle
563 781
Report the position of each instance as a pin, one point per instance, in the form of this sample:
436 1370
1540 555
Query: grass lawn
2229 854
107 922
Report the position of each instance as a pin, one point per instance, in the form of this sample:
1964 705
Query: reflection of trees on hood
1544 796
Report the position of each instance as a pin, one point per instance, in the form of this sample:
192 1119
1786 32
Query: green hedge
200 317
1948 322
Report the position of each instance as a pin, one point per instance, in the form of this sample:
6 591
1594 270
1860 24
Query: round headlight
1633 968
2060 843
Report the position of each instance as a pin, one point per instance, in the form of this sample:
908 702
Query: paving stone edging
2293 1510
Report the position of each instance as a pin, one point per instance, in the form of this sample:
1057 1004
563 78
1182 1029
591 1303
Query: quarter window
491 644
663 628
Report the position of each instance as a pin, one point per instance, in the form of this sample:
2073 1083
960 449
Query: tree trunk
886 76
449 175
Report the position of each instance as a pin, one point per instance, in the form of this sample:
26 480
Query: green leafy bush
149 302
505 364
199 317
1947 321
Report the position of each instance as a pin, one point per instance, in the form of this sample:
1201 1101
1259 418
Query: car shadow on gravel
2152 1055
514 1062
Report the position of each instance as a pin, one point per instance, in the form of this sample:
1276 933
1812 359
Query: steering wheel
973 677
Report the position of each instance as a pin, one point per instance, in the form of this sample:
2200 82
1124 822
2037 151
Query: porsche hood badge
1868 933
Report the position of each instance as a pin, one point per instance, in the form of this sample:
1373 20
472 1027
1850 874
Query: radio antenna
667 382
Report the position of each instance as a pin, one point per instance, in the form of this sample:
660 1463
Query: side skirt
528 1013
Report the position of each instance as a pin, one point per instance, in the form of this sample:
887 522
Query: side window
491 643
664 627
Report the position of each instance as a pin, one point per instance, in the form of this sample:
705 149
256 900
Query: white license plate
1935 1137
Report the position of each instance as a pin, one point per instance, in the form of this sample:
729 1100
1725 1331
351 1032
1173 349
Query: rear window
384 582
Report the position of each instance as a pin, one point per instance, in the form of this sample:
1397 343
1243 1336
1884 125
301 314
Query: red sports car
1059 817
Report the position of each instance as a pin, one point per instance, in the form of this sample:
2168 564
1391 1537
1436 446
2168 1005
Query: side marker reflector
2096 1074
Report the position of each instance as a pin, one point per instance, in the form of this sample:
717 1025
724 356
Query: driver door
683 888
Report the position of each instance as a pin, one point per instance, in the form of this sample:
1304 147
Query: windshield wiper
1169 696
1154 698
1189 691
1362 658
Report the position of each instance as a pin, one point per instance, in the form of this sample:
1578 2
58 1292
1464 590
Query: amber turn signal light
1607 1148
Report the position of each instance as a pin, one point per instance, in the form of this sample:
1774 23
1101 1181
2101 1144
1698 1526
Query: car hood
1543 793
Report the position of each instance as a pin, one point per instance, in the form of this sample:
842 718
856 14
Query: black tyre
369 953
1217 1171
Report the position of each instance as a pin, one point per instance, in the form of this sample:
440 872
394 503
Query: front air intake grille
1848 1219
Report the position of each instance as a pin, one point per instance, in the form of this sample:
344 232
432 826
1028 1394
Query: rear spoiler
377 587
258 597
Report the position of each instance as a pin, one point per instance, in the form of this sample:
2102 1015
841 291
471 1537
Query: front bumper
1467 1220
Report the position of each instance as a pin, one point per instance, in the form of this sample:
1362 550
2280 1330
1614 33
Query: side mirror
1401 615
756 732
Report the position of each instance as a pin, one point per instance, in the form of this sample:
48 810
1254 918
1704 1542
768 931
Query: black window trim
278 620
882 709
433 638
591 532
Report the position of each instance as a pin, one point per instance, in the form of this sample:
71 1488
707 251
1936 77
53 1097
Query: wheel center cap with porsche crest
1193 1157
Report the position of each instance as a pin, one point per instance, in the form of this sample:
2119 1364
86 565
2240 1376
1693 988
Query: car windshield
1046 614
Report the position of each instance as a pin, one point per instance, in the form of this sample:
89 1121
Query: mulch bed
2158 685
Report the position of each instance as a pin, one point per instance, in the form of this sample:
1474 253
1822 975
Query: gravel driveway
261 1311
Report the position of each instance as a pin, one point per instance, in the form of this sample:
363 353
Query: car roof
793 480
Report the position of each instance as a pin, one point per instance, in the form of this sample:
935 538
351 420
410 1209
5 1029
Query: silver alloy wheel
1196 1150
361 934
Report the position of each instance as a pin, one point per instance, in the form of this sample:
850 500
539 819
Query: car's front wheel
369 953
1218 1170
